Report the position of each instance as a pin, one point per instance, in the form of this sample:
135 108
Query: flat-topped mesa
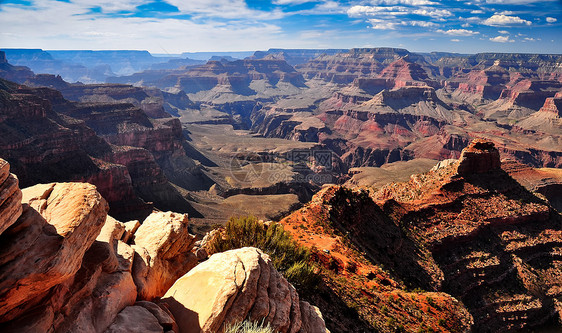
479 157
3 59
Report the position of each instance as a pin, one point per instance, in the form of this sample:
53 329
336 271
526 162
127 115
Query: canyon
426 188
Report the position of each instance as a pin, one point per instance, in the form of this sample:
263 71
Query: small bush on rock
248 327
286 255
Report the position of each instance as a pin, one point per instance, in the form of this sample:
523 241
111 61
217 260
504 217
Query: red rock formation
405 72
489 237
46 245
479 157
43 147
345 67
553 105
547 120
484 84
546 181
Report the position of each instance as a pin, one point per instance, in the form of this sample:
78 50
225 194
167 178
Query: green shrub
286 255
302 276
248 327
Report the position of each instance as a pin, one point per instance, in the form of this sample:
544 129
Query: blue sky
175 26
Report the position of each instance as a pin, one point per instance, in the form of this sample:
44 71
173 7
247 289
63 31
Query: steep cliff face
547 120
13 73
241 77
127 125
45 145
343 68
481 85
10 197
490 240
154 102
546 181
406 72
352 239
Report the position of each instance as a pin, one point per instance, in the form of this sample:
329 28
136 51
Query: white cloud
501 39
403 2
423 24
455 40
228 9
551 19
382 25
361 11
515 2
107 6
503 20
435 13
74 28
291 2
529 39
458 32
504 32
477 11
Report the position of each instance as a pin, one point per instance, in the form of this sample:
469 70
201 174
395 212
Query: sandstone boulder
102 287
46 245
91 299
10 197
162 253
236 285
130 229
479 157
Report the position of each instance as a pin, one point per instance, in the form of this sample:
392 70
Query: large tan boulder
46 245
163 254
10 197
236 285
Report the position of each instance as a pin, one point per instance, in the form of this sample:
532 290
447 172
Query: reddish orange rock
479 157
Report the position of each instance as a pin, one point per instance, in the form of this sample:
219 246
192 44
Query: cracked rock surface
237 285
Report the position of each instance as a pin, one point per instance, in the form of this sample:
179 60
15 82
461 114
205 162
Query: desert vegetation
293 260
248 327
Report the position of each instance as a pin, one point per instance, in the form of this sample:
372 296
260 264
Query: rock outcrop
491 241
236 285
480 156
163 254
10 197
45 247
66 266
